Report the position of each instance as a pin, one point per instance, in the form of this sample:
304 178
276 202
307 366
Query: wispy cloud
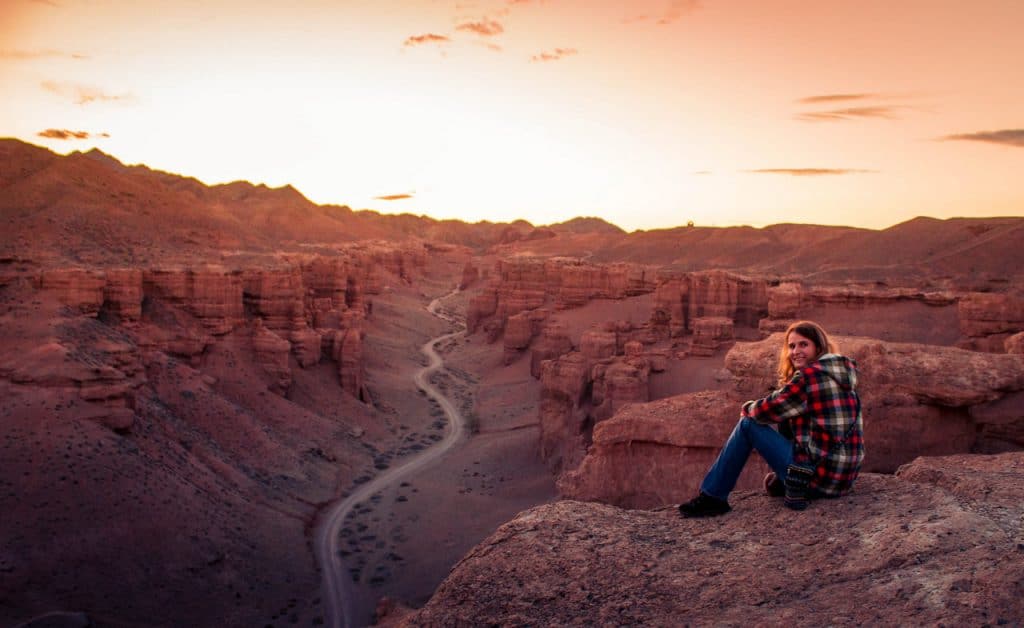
1007 137
856 112
555 55
702 172
84 94
675 10
484 28
850 113
65 134
429 38
49 3
814 100
393 197
24 55
807 172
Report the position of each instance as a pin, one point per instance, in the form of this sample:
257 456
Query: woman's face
802 350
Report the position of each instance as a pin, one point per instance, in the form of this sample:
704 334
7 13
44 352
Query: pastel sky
647 113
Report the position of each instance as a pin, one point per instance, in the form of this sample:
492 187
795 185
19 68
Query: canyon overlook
191 375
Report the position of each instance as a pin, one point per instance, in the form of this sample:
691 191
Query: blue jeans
748 435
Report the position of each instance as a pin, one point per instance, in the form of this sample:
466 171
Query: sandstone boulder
655 453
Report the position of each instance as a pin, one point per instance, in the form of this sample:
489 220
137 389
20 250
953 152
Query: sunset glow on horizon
647 114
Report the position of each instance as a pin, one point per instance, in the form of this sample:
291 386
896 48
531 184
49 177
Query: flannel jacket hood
822 410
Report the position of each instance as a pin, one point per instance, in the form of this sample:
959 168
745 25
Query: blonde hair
811 331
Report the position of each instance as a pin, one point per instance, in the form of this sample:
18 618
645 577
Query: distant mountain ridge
90 208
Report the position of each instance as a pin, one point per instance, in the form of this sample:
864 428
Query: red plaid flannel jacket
822 409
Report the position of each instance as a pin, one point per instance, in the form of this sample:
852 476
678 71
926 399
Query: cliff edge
941 541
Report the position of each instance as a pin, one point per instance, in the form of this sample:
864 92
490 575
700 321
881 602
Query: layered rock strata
314 305
987 321
971 320
527 283
683 298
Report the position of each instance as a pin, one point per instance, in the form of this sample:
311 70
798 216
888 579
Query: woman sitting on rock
818 447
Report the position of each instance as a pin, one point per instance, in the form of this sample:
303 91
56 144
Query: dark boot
797 479
773 485
704 506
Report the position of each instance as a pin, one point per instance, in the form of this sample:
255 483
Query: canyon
191 376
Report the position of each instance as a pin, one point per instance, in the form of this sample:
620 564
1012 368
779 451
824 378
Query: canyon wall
295 311
979 321
527 283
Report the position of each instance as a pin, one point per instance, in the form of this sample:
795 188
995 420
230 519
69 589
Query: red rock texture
272 356
939 543
122 293
470 275
617 384
77 288
651 454
971 320
212 294
552 343
582 388
525 283
682 298
709 333
988 320
563 413
520 330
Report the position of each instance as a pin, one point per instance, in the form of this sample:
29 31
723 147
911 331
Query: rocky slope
171 432
941 542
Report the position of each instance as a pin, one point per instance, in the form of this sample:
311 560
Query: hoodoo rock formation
939 542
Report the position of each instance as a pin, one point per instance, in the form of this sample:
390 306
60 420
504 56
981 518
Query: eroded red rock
939 543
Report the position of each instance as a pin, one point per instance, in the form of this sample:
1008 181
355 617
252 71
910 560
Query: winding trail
337 584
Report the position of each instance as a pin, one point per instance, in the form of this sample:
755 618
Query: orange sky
645 113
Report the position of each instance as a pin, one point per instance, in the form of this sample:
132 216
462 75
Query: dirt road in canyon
337 584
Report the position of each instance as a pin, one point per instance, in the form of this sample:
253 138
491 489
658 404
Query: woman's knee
746 424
